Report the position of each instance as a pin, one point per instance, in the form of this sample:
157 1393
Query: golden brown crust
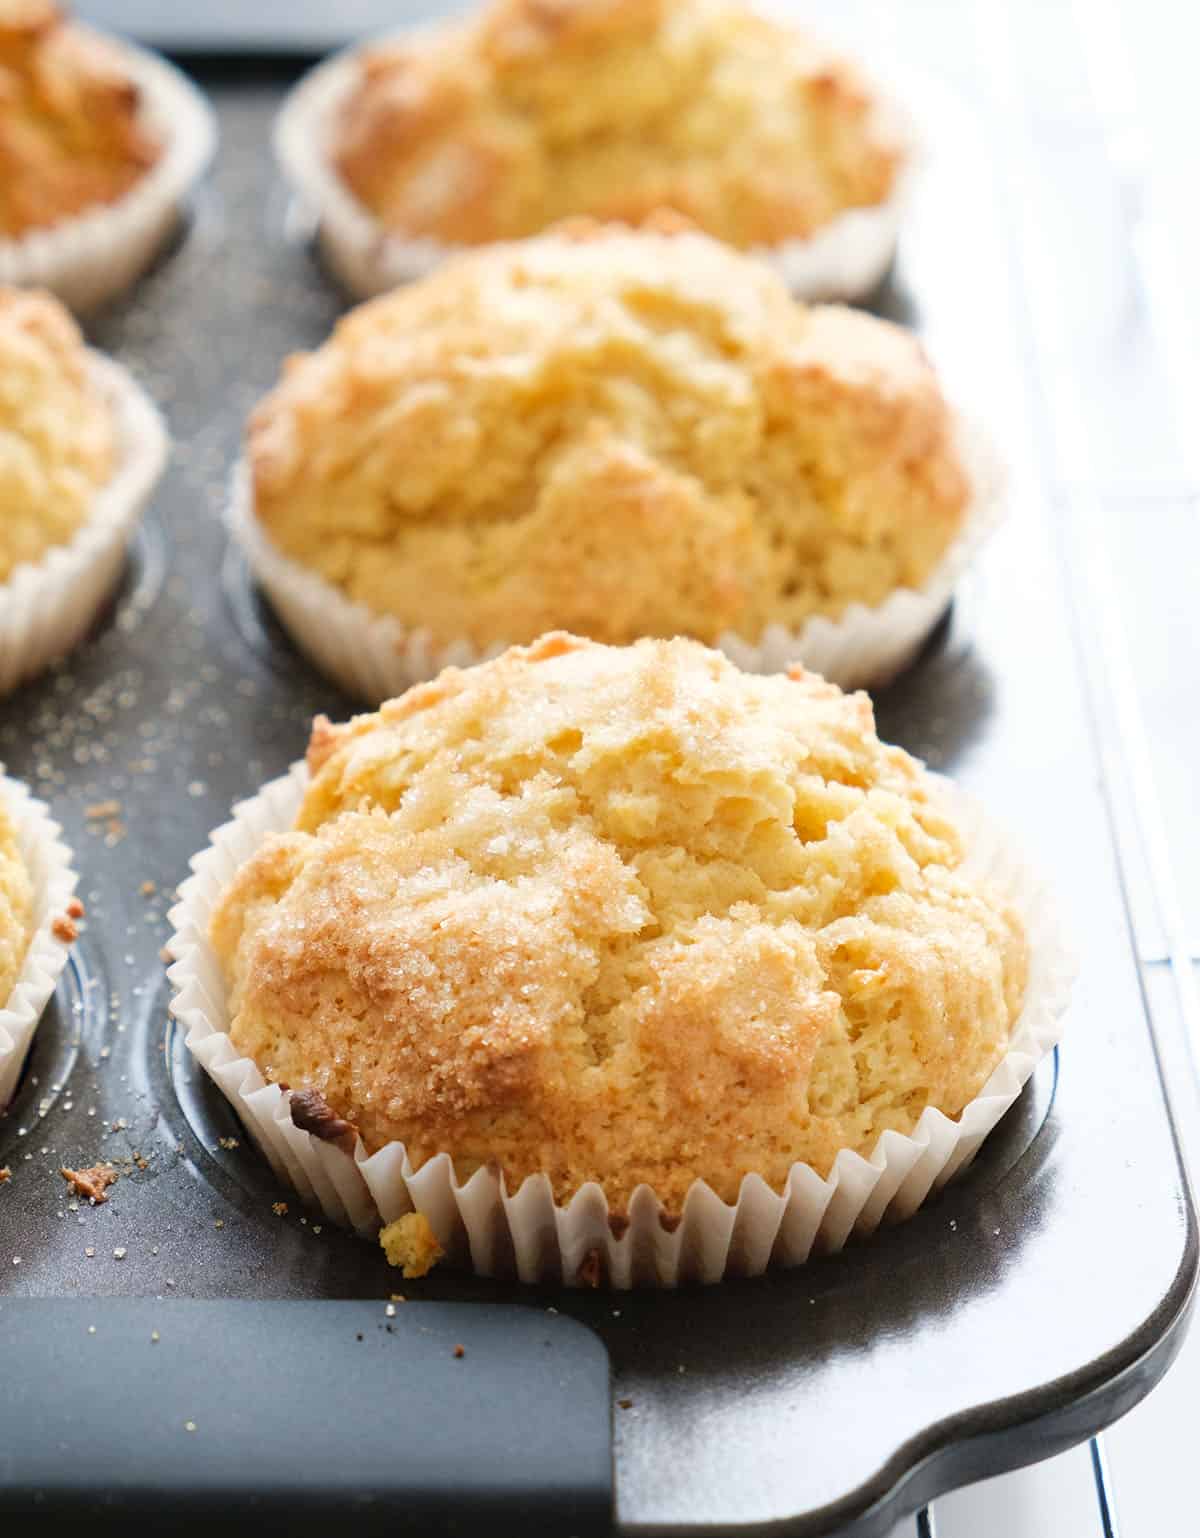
71 135
534 110
620 914
16 905
622 433
57 434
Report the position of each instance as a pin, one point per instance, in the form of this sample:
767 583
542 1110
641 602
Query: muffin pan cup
526 1233
47 606
374 657
845 259
88 259
51 870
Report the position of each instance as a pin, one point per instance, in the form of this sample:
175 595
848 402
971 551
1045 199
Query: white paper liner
48 861
845 259
47 606
375 658
98 254
526 1233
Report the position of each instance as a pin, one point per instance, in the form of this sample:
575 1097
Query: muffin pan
1033 1302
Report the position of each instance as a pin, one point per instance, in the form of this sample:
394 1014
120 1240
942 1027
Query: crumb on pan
409 1243
91 1183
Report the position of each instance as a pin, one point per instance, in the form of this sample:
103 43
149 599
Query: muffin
72 131
530 111
537 110
612 917
58 433
620 433
80 448
16 904
38 922
98 142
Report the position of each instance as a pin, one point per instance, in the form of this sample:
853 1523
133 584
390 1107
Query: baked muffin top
622 914
71 135
534 110
57 434
621 433
16 905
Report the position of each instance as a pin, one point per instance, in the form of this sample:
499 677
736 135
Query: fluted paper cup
48 861
47 606
844 259
374 658
102 251
526 1233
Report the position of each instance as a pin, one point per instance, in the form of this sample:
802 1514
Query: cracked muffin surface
620 914
58 439
71 131
535 110
613 432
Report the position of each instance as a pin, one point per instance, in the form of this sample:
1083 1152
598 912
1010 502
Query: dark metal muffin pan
1031 1303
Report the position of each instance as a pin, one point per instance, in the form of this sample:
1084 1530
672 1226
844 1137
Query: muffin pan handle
288 1417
